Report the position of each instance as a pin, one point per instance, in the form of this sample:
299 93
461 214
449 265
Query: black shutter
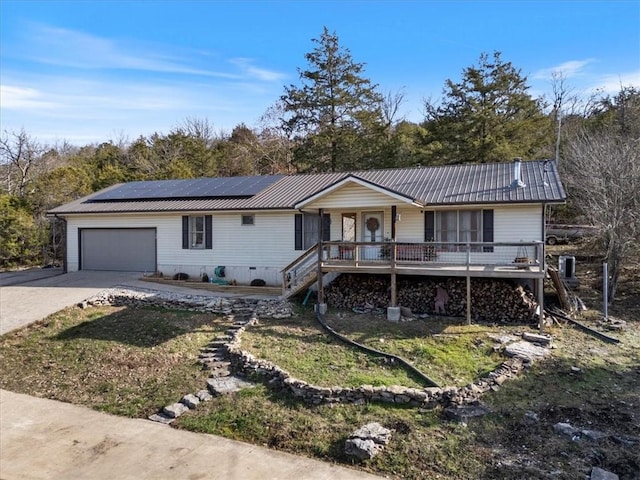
429 226
208 232
185 231
487 229
326 227
298 231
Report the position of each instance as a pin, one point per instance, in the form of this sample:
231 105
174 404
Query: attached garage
118 249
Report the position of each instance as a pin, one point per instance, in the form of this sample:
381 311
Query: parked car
560 233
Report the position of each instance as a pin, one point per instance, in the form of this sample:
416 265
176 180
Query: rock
593 435
598 473
190 400
464 413
502 339
175 410
536 338
531 417
526 351
225 385
367 441
625 440
203 395
565 429
161 418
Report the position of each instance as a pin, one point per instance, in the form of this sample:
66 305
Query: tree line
337 119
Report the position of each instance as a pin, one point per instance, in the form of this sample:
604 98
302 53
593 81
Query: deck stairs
301 274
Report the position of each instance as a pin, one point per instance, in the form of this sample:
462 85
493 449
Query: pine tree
489 116
332 115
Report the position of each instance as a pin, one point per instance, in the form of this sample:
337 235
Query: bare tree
602 174
391 104
21 156
565 102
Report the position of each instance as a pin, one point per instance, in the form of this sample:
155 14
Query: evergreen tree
489 116
335 111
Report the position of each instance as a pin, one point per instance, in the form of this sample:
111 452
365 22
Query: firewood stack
491 299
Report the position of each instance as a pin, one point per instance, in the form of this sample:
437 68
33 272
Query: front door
372 231
373 227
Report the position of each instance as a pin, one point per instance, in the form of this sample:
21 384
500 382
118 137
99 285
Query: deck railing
518 254
303 271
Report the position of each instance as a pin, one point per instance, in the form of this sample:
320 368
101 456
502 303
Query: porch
519 260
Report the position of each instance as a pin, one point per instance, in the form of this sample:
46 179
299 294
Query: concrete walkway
45 439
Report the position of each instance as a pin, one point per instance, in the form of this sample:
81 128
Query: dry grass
120 360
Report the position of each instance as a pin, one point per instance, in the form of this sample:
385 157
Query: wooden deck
523 260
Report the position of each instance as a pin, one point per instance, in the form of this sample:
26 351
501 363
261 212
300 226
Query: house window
307 229
349 227
461 226
196 232
248 220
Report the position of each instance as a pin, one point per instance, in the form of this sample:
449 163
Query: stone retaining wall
280 379
248 365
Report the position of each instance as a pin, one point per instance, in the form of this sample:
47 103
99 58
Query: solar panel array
227 187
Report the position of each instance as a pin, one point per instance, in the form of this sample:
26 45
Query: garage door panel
118 249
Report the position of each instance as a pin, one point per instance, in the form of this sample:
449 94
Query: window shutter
298 231
429 226
185 232
487 229
208 232
326 227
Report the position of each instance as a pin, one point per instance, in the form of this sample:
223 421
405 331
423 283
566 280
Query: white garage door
118 249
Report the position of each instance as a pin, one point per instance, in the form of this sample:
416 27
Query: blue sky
92 71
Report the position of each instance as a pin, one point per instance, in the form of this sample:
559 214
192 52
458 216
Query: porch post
392 257
321 307
468 284
393 311
540 284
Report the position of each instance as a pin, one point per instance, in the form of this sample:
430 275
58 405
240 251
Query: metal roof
444 185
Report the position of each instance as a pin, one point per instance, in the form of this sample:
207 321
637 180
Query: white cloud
568 69
262 74
23 98
71 48
612 83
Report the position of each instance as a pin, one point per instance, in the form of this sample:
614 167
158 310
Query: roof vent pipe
517 180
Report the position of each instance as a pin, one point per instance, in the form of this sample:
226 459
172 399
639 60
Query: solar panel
225 187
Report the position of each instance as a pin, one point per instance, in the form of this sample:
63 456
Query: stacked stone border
247 365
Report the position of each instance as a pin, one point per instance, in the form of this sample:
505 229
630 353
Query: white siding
410 226
510 223
353 194
518 223
247 252
263 249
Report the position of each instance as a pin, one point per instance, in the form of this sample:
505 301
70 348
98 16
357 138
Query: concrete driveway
31 295
27 301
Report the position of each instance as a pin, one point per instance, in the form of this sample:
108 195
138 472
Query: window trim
193 232
248 216
485 229
187 232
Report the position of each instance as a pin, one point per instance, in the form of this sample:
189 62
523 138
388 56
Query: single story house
472 220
